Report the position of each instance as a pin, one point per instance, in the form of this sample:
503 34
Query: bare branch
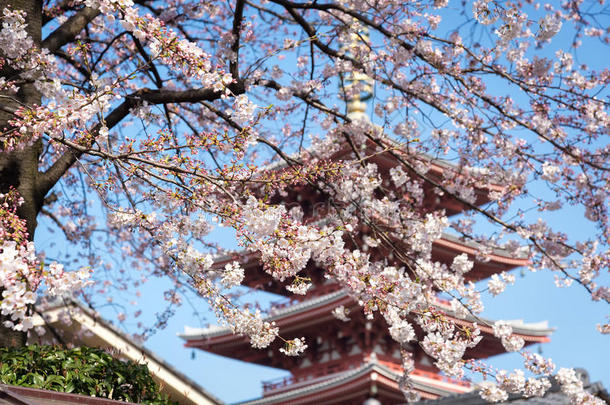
49 178
70 29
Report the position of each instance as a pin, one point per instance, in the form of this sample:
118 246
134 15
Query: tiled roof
553 397
13 395
474 245
212 331
340 379
519 327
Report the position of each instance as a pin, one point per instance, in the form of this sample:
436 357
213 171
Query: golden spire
358 87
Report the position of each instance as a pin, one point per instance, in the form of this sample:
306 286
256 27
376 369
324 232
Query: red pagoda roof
389 157
354 386
313 312
443 250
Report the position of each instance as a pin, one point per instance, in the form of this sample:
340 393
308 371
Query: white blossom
496 285
341 313
512 343
483 13
492 393
538 364
232 275
513 382
536 387
243 109
550 172
550 25
461 264
398 176
299 288
294 347
402 332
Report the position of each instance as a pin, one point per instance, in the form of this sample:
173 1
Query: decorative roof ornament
357 87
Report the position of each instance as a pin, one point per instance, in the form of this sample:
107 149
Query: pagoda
348 362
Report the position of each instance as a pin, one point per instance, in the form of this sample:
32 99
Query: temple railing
320 371
274 384
283 382
427 374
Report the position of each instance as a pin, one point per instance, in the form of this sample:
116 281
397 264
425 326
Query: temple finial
358 87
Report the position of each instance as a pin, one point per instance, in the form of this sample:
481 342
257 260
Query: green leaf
81 370
54 380
37 380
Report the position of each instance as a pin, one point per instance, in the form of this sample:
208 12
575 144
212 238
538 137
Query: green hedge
81 370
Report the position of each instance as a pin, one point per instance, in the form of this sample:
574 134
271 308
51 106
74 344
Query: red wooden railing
335 367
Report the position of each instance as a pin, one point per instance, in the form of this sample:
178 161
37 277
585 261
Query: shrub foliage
81 370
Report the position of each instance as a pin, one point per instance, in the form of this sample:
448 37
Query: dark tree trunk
19 169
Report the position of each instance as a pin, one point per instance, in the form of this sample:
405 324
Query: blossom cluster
294 347
21 275
504 331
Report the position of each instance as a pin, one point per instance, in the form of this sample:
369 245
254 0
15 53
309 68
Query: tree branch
49 178
234 63
70 29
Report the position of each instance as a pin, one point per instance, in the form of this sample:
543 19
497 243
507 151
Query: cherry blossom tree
135 127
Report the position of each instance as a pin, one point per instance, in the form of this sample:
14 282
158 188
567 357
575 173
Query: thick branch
70 29
239 13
